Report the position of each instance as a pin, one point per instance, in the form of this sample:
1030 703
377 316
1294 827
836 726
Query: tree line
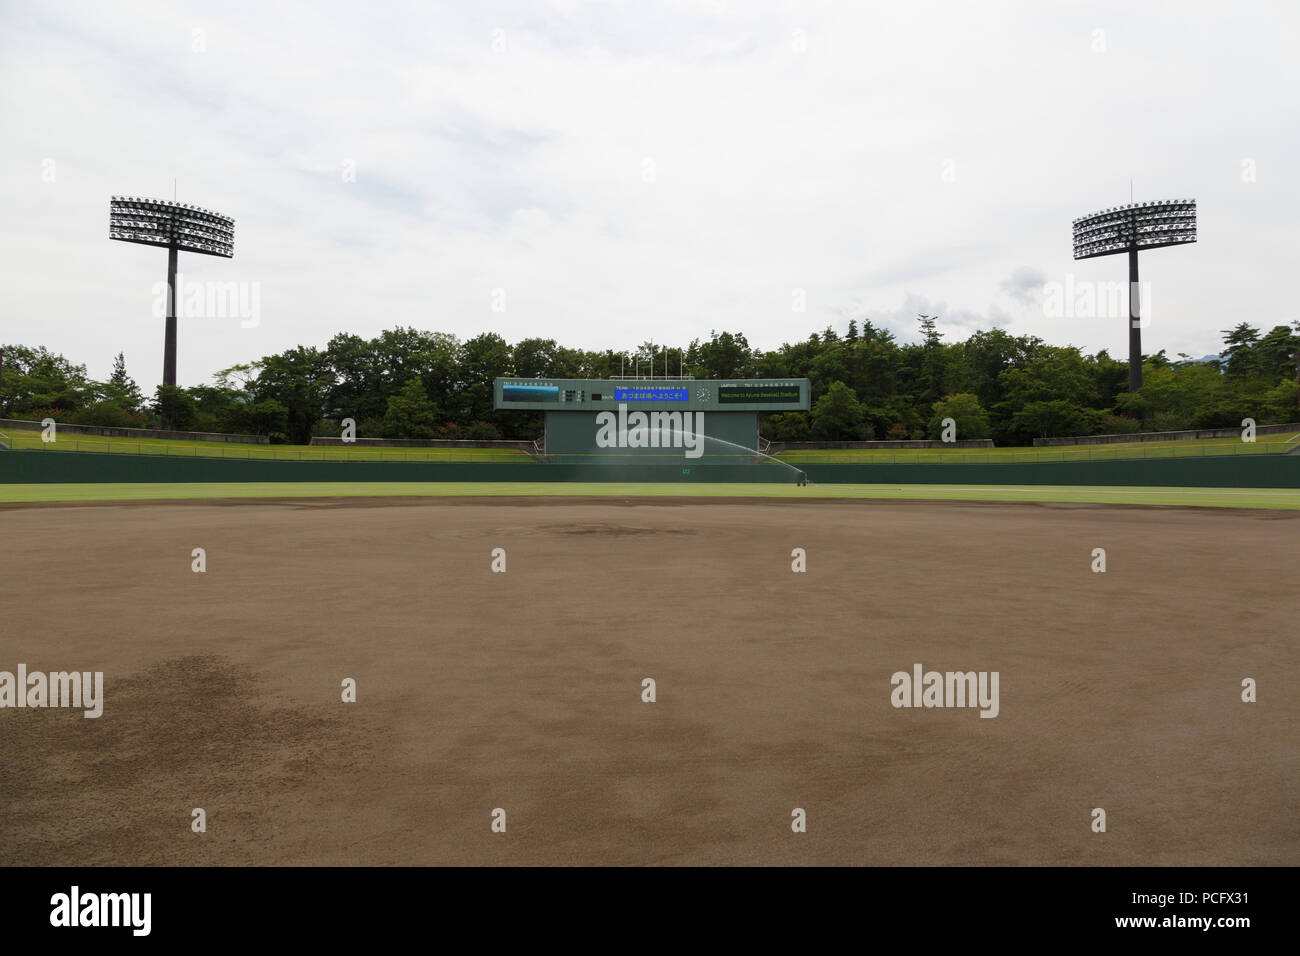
407 383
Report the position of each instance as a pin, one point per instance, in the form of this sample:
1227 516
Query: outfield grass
1263 445
31 439
1276 498
1187 448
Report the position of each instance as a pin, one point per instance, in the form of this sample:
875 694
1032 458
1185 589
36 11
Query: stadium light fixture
1130 228
177 227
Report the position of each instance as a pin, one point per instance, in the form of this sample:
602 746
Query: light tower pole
1134 322
169 333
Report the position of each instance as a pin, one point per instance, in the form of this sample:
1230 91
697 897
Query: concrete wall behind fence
783 446
423 443
137 433
1224 471
1167 436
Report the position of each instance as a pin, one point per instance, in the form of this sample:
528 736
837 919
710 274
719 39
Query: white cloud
1025 285
907 157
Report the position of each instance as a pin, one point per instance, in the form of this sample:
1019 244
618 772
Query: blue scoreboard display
548 394
652 394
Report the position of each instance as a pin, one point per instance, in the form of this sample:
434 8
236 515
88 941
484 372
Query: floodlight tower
1138 225
176 226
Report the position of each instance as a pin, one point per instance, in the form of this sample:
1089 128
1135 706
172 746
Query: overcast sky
639 171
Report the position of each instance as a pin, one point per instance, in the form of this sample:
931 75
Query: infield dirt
479 690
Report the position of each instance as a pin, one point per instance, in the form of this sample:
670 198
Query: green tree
725 355
121 388
410 413
483 359
1016 381
1238 354
1057 418
1281 403
828 368
1183 395
966 412
359 388
837 415
35 381
536 357
107 414
873 368
268 418
238 378
1053 374
934 366
483 431
299 379
787 426
175 407
1109 376
1275 354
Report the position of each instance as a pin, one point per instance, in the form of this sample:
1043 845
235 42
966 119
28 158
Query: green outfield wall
1225 471
82 467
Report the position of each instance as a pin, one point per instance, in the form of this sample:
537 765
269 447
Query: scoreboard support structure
651 421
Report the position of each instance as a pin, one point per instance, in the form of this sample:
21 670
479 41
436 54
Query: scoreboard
725 395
